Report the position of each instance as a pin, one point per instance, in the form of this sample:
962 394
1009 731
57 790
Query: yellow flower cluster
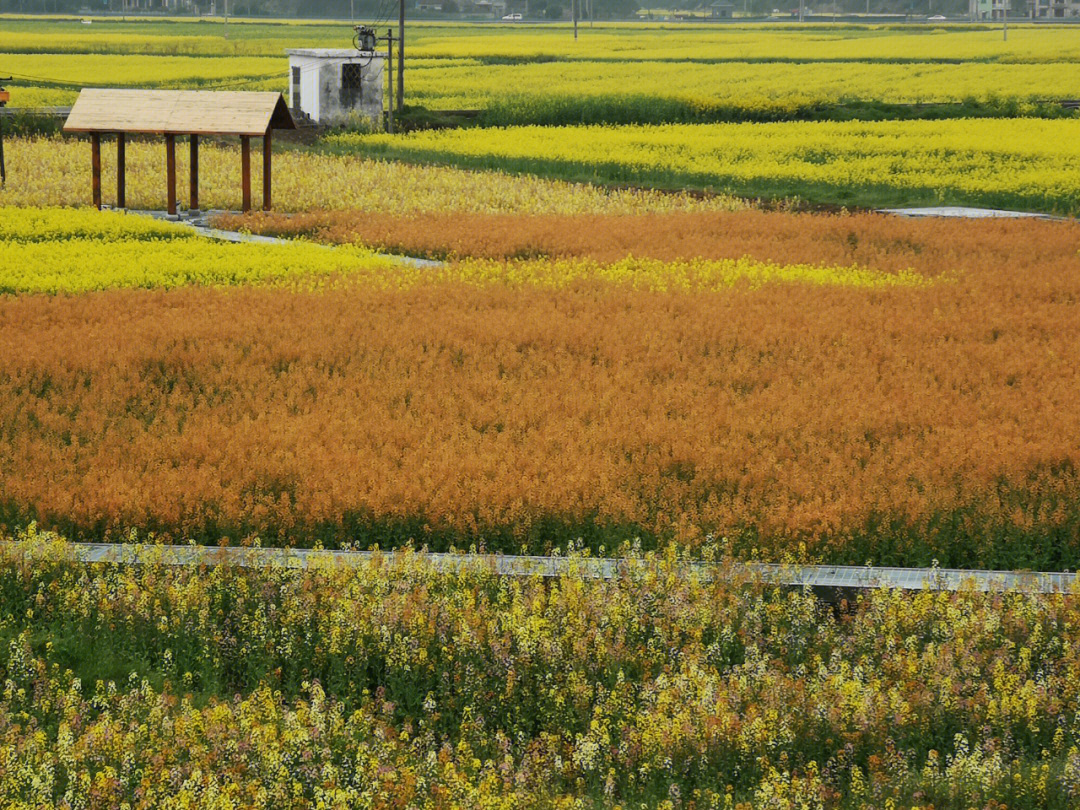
65 250
33 225
534 90
394 685
149 38
137 70
811 43
608 40
750 68
1032 163
62 250
56 171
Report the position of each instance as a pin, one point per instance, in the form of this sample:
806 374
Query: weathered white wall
321 96
309 85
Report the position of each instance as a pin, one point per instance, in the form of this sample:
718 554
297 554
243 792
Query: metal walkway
813 576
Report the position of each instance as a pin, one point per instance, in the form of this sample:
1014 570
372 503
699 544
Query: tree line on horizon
363 10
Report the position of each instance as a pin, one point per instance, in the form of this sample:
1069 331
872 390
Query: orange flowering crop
894 424
882 242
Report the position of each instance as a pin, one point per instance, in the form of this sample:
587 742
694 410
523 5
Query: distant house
721 10
990 9
158 5
1053 8
428 5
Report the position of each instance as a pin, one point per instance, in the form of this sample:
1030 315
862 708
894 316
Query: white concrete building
333 86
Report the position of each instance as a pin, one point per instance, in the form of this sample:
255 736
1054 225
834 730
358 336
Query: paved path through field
200 224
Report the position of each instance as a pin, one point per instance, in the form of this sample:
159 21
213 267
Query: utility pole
401 57
390 78
226 19
802 9
1004 20
574 11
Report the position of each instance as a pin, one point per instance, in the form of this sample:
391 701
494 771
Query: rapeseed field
394 685
74 251
655 318
617 73
1025 163
878 404
311 181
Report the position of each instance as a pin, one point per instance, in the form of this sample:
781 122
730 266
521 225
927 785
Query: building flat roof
333 53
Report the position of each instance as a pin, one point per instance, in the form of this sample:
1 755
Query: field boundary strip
200 225
812 576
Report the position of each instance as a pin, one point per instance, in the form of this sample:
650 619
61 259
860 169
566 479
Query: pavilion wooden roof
179 112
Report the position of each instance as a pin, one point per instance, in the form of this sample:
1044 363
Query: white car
512 17
937 18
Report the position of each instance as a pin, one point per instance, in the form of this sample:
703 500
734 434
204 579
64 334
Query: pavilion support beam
95 169
267 140
170 169
245 170
194 173
121 170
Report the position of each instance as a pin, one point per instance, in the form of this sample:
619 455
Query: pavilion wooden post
245 170
179 114
170 168
121 170
194 173
95 169
267 140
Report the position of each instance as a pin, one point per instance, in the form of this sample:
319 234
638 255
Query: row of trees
537 9
608 9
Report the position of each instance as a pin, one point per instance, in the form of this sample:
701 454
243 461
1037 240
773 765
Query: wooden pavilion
193 113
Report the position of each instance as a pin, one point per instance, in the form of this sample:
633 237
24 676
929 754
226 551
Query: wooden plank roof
178 112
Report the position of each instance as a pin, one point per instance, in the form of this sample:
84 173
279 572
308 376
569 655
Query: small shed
332 85
721 10
191 113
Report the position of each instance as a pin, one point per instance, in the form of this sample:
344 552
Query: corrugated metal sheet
178 112
815 576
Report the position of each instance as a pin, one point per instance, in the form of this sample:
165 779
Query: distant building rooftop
327 53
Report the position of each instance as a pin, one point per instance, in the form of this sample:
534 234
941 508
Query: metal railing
838 577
